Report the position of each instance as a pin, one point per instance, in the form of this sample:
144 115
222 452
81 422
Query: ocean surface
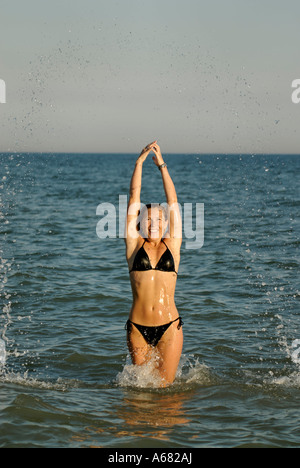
65 376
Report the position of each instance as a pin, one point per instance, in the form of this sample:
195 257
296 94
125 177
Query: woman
153 261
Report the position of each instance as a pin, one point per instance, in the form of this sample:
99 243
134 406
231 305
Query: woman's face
154 223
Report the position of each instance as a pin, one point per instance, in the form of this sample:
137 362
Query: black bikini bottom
152 335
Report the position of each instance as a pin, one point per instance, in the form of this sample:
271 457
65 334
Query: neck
154 242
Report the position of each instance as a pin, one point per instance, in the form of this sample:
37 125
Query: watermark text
296 92
2 92
186 221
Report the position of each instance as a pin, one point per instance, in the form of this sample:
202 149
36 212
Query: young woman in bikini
153 258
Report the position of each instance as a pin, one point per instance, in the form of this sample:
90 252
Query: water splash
295 354
5 317
5 264
291 380
2 353
190 372
145 376
6 307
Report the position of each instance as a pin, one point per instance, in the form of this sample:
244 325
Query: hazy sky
112 75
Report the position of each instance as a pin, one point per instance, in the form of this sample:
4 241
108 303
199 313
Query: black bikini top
142 261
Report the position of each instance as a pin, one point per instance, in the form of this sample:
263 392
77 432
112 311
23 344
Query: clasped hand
157 158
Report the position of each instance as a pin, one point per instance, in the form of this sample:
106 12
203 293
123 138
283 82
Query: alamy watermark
190 221
296 93
2 92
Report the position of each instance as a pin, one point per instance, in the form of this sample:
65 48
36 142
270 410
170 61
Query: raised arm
134 202
175 223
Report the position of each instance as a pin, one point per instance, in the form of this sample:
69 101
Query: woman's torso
153 285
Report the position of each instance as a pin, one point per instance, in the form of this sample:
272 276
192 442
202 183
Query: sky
113 75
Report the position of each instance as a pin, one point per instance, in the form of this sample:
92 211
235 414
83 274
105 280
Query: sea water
66 379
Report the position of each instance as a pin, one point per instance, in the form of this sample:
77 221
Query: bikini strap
180 322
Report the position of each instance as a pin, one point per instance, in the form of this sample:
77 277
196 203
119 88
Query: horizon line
129 153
